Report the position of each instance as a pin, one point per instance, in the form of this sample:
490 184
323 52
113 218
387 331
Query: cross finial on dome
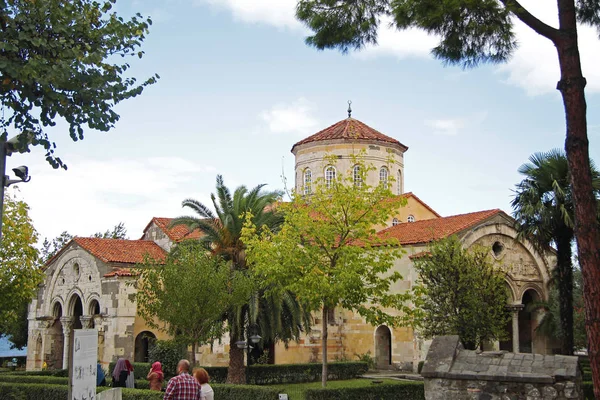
349 109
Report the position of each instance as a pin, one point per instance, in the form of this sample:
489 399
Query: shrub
368 358
298 373
140 370
168 352
588 390
46 380
405 391
50 372
244 392
32 391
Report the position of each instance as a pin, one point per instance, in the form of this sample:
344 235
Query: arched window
395 222
307 181
383 176
411 218
399 179
329 176
357 176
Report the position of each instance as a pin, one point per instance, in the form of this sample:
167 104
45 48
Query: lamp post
7 149
242 344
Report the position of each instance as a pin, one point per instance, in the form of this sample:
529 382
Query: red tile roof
433 229
350 129
121 272
176 233
121 250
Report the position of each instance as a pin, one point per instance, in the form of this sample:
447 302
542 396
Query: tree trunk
587 230
236 373
193 357
565 288
324 347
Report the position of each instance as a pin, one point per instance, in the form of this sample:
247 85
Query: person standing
202 377
156 376
120 373
183 386
130 382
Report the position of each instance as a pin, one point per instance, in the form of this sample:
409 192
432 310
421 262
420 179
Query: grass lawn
296 390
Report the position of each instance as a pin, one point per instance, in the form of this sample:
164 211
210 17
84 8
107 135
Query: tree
327 252
58 60
51 247
222 237
462 293
19 271
479 31
543 207
186 294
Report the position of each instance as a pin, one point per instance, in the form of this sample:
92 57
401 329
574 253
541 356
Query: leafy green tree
58 60
169 353
186 294
473 32
276 318
118 232
19 270
327 252
544 210
462 293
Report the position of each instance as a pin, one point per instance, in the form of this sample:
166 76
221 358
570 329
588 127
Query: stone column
67 325
87 321
515 325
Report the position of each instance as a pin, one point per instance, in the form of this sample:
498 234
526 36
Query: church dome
350 130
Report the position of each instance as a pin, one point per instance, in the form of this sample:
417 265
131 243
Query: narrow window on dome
399 179
329 176
383 176
411 218
395 222
357 176
307 181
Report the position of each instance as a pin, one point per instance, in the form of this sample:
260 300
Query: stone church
88 282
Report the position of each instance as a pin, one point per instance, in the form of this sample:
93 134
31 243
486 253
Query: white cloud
95 195
295 118
534 66
279 13
453 126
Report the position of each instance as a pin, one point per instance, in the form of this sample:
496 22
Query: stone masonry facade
451 372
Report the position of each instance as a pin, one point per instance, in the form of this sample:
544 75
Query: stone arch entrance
383 347
527 321
55 339
143 343
76 311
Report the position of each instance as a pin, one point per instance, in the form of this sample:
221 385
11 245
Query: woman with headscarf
120 373
130 382
156 376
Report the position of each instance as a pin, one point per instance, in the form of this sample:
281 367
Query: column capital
515 307
67 324
87 321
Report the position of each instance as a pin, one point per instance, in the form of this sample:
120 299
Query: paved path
398 375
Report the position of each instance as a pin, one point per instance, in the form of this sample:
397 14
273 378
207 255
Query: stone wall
451 372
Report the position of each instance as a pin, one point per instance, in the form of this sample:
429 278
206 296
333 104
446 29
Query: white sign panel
84 366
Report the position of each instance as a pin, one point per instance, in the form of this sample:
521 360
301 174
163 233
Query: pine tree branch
530 20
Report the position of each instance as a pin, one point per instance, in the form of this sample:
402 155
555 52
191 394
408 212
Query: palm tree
544 210
277 318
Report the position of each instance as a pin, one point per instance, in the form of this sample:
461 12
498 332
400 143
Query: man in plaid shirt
183 386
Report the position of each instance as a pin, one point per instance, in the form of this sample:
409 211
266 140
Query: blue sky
239 87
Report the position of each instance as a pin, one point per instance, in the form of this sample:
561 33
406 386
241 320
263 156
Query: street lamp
15 144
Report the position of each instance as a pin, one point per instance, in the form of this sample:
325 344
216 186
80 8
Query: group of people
181 387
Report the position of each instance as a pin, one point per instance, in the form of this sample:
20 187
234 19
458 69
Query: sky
239 87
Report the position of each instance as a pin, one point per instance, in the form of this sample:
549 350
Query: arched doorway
507 343
383 347
76 307
55 339
143 343
527 321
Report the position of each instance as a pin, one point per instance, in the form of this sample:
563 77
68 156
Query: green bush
368 358
168 352
46 380
407 391
298 373
588 390
50 372
30 391
244 392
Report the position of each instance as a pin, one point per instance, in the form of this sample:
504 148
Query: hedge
46 380
588 390
28 391
275 374
49 372
407 391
